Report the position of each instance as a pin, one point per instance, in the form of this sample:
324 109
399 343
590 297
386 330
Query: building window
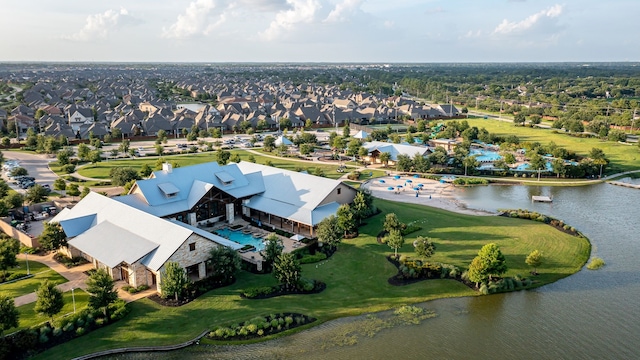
192 246
339 189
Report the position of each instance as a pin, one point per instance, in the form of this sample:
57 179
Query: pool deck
255 256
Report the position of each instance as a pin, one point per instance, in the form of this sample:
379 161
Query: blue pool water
485 155
240 238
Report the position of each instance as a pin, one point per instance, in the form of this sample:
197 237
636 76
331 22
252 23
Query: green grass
356 278
622 157
101 170
29 318
41 273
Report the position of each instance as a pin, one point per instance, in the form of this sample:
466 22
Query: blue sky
320 30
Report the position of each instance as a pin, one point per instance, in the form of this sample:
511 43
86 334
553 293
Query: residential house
375 148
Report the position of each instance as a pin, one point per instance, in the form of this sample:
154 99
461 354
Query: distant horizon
317 62
321 31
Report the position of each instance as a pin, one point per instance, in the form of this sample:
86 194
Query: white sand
433 193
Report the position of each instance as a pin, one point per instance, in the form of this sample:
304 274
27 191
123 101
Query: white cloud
194 21
510 27
342 10
300 11
388 24
98 26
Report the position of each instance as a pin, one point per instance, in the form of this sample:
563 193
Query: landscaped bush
305 286
260 326
470 181
134 290
410 228
532 215
310 259
10 276
69 262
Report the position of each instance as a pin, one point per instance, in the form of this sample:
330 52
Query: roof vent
167 168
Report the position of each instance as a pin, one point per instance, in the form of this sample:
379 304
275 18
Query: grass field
29 318
622 157
41 273
101 170
356 278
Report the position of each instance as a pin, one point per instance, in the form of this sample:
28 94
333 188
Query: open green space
29 318
101 170
356 277
622 157
41 273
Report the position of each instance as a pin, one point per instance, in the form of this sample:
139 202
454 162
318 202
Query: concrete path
76 280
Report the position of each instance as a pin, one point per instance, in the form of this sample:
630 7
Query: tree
145 171
272 249
9 249
59 184
329 231
4 189
124 146
394 240
384 158
14 200
557 165
222 156
391 222
534 259
36 194
49 301
53 236
360 207
100 287
173 280
424 247
346 131
519 119
121 175
83 152
19 171
73 190
9 315
225 262
599 158
478 271
269 143
403 162
159 149
470 161
95 156
85 191
346 219
537 162
286 270
491 255
64 156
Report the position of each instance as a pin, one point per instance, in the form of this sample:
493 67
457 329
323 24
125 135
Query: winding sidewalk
77 279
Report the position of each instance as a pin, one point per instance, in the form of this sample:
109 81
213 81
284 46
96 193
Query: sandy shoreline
433 193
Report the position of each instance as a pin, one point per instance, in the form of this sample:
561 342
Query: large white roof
394 149
289 194
129 228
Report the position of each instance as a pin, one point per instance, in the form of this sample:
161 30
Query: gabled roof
290 194
167 193
394 149
127 227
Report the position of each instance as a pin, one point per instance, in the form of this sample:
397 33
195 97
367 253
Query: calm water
590 315
241 238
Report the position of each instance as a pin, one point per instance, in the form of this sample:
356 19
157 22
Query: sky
380 31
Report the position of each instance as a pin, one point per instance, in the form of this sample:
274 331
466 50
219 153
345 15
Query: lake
589 315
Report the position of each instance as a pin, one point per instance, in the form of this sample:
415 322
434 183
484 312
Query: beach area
432 193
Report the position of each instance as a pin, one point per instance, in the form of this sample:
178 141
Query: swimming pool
241 238
485 155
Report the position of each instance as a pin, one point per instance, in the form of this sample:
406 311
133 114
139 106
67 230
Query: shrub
68 327
255 292
43 338
252 328
274 323
80 331
310 259
57 332
118 309
484 289
260 332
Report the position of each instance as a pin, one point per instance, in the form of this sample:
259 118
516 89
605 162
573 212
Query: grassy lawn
622 157
41 273
101 170
356 278
29 318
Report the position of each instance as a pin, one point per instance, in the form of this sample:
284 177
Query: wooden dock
620 183
546 199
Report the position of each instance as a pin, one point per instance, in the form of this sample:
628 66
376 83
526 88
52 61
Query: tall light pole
73 297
